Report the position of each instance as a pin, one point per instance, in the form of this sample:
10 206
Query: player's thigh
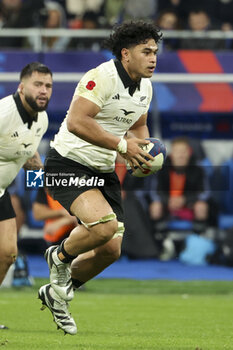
90 206
8 237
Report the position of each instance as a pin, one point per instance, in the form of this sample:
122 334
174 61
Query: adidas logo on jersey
116 97
15 134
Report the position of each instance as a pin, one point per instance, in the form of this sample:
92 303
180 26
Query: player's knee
105 231
114 252
111 251
8 256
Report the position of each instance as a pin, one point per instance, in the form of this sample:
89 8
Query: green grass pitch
124 315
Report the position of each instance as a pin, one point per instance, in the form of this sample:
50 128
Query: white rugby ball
157 149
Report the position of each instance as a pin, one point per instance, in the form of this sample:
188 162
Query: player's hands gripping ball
157 150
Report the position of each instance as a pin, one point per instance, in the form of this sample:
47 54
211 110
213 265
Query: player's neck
131 74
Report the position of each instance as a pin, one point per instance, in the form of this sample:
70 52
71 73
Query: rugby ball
158 151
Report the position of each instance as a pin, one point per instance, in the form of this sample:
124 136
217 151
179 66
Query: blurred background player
19 14
23 123
58 222
199 20
180 190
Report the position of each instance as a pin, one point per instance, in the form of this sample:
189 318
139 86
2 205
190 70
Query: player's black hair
130 34
181 139
34 67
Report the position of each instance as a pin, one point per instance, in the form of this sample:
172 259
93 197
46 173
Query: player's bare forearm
93 133
81 123
33 163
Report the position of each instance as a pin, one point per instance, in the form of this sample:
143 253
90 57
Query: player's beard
33 104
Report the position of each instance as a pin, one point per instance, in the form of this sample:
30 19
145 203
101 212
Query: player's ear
125 54
20 87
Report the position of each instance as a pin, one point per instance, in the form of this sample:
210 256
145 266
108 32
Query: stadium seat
180 225
225 221
222 188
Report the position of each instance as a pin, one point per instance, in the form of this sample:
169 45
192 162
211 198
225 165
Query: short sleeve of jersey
3 124
95 86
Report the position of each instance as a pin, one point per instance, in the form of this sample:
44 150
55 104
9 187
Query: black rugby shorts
6 208
56 164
